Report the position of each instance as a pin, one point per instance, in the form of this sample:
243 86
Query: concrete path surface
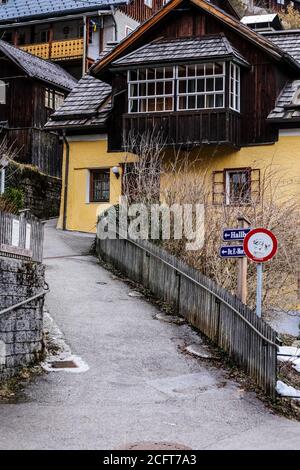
139 386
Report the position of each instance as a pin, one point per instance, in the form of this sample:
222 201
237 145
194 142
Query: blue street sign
232 251
237 234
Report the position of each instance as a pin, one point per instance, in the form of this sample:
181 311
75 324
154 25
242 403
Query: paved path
139 387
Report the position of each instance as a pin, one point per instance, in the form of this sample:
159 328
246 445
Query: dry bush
182 183
290 17
7 156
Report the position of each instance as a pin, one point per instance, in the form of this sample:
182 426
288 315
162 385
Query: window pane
219 101
219 68
160 88
133 106
151 74
191 102
191 70
134 90
181 71
99 189
218 83
182 86
151 104
168 104
2 92
143 106
142 89
209 69
191 86
160 104
168 88
160 73
133 75
200 69
210 101
209 84
200 85
169 72
238 186
200 101
182 102
151 89
142 74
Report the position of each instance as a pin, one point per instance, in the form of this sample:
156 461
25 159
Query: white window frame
205 93
2 92
146 81
234 87
177 78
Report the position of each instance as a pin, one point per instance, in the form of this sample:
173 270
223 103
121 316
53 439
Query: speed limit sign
260 245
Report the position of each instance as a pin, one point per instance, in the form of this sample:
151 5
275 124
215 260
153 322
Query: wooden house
71 32
30 90
210 85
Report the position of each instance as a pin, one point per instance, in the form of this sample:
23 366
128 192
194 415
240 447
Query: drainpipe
115 23
84 45
66 181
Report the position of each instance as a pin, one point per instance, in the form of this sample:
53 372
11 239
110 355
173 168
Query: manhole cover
63 365
154 446
101 283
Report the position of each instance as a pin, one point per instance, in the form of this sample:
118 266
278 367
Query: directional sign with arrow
235 234
232 251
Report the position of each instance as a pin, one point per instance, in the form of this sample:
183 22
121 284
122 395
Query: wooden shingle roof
88 105
101 68
287 40
182 49
38 68
288 104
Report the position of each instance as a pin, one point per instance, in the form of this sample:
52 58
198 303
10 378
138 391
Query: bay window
201 86
183 88
234 87
151 90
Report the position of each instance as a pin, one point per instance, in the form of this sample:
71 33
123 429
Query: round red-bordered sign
260 245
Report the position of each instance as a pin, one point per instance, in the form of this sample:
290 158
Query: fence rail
222 317
21 236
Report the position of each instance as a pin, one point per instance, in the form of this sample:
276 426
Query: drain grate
63 365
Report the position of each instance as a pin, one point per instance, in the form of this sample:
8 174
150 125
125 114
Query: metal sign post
260 245
259 284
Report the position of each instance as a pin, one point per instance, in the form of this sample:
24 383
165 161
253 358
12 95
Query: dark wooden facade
23 117
261 84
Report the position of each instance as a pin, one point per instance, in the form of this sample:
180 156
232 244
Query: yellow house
92 177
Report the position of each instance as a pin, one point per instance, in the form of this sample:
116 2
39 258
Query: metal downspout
66 181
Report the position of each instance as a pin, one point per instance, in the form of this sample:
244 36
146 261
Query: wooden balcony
214 126
56 50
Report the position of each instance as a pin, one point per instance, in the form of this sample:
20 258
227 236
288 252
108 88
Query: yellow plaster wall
85 155
283 158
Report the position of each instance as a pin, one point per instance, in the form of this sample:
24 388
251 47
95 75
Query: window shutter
218 190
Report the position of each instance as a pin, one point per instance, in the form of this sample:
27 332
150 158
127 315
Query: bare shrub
182 182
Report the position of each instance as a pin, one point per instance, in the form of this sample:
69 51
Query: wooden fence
21 236
234 327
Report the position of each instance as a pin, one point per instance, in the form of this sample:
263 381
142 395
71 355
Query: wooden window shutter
218 187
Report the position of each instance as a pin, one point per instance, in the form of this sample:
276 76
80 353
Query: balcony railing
56 50
218 126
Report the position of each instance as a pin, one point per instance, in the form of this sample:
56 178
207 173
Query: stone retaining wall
21 331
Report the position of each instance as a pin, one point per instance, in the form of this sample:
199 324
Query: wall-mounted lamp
116 171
